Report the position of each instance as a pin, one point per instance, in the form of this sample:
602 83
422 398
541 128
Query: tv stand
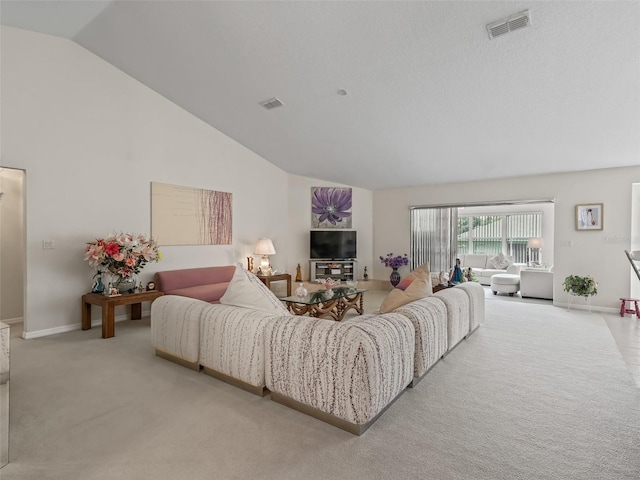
337 269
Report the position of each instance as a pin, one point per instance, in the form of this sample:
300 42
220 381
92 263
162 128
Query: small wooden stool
633 311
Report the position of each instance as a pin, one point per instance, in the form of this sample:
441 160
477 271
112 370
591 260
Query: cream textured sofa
346 373
429 319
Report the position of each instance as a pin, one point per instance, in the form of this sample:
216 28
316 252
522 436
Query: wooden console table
109 304
267 279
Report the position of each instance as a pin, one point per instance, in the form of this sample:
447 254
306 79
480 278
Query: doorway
12 245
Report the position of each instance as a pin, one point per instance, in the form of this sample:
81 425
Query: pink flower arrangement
328 283
122 254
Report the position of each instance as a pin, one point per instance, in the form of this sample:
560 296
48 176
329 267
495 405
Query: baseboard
594 308
190 365
472 331
353 428
417 380
11 321
255 389
76 326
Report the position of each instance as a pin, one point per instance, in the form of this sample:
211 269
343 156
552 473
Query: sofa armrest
429 318
456 302
349 370
514 268
232 342
169 280
476 303
175 327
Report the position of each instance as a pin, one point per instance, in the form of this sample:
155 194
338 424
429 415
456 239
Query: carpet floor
536 392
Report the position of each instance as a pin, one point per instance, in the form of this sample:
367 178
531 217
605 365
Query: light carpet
535 393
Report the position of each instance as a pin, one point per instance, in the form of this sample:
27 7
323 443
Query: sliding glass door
439 234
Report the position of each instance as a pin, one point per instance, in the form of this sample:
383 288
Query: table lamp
535 243
265 248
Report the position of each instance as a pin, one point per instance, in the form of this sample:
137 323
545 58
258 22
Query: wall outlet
48 244
566 243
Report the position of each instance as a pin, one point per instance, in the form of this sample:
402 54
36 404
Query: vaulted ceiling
430 98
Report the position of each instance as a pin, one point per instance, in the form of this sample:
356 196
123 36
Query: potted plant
580 286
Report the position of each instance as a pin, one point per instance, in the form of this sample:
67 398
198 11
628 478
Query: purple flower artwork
330 207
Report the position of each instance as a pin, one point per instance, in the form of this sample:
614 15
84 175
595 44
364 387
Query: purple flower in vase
396 261
331 204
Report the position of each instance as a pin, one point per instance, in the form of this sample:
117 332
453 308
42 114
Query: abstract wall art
330 207
190 216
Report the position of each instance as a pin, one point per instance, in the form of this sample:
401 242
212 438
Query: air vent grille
506 25
272 103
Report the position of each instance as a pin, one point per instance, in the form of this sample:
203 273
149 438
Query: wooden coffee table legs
335 309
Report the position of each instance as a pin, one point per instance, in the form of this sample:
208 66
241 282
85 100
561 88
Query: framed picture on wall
589 216
331 207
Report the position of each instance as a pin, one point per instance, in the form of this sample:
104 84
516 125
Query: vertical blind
433 237
492 234
520 228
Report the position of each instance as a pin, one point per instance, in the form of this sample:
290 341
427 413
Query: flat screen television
333 244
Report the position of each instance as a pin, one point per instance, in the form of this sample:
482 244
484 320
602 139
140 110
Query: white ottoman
505 283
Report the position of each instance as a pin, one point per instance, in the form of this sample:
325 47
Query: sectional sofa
485 266
345 373
205 283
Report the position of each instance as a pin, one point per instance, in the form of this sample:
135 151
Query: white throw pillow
246 290
500 261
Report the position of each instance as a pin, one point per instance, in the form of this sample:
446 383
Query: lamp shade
264 247
535 242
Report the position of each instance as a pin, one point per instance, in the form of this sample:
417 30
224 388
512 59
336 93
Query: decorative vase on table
394 278
98 286
121 256
301 291
125 284
394 262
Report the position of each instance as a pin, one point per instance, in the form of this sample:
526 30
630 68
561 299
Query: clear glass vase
125 284
301 291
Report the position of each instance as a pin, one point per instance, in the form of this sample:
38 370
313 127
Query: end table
267 279
109 304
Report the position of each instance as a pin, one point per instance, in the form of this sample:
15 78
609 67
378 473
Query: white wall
635 235
91 140
11 245
596 253
300 223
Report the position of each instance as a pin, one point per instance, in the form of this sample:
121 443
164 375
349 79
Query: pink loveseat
205 283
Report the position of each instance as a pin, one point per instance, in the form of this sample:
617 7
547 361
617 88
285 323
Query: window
492 234
440 233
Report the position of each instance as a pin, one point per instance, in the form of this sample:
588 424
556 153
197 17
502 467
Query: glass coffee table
332 303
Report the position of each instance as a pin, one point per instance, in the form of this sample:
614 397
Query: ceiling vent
272 103
506 25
